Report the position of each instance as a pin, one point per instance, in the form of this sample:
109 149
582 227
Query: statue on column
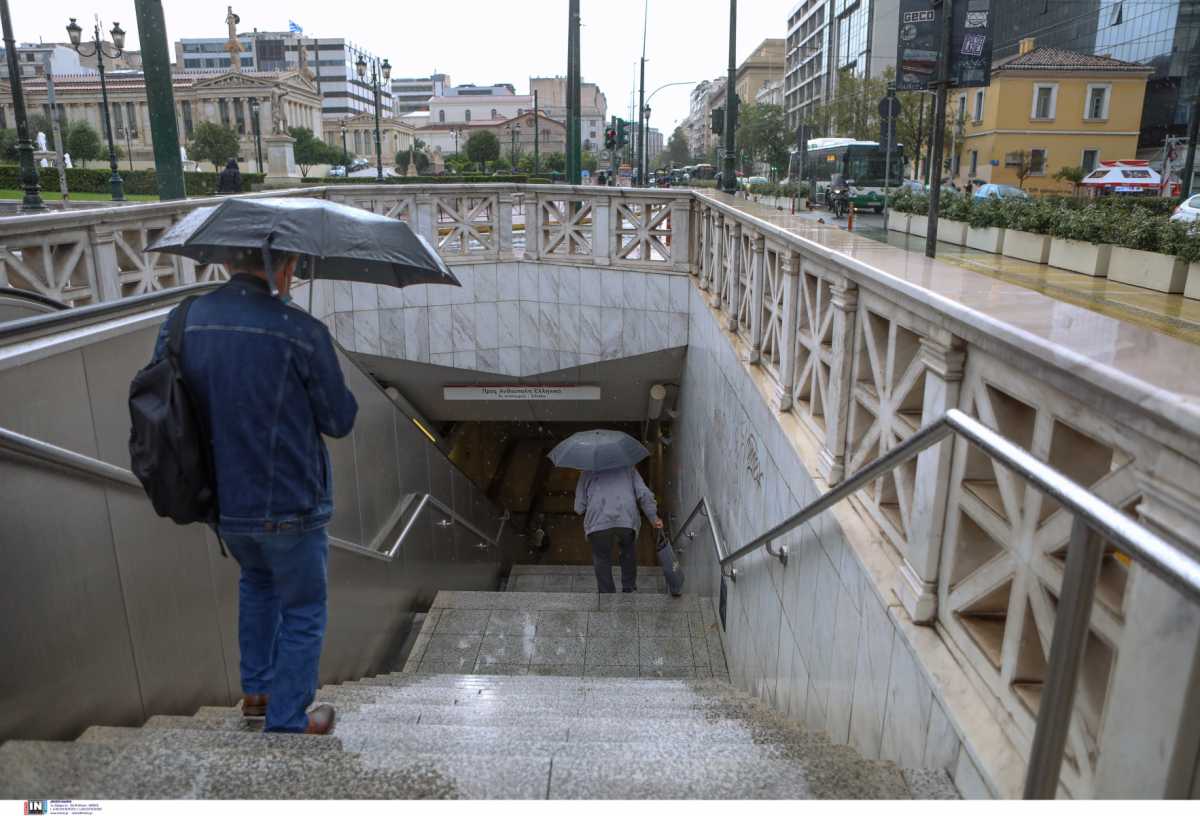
233 46
302 49
279 123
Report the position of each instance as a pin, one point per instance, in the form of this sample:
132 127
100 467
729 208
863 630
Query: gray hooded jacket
610 498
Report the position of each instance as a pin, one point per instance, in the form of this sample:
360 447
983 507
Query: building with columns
394 136
285 99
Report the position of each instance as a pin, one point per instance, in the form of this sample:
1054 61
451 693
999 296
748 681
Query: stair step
153 772
567 701
574 569
567 601
929 783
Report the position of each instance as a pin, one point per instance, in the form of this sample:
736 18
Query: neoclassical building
285 99
394 135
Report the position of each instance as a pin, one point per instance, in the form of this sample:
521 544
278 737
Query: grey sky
478 41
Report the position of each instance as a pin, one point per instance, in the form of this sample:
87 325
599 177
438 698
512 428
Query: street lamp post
32 202
254 108
514 132
345 150
378 69
645 169
75 32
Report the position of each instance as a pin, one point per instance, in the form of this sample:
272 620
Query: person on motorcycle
839 195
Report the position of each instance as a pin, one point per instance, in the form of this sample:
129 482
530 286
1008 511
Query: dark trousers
602 542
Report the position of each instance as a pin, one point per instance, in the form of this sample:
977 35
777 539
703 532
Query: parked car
752 180
1188 211
1000 191
338 171
359 164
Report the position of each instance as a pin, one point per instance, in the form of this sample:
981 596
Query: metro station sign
520 393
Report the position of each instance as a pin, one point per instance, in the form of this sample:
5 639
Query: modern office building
826 37
412 94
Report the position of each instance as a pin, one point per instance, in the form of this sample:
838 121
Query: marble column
504 227
943 359
603 239
844 302
103 243
681 235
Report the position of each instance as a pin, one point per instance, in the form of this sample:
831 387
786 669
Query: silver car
1188 212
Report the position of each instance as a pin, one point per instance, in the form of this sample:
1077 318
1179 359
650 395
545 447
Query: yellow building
1062 108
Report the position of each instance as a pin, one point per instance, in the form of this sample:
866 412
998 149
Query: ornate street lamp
378 70
512 151
257 131
32 202
75 32
345 151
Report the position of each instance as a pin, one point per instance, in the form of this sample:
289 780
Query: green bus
861 165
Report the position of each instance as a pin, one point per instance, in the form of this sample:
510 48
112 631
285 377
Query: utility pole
536 128
160 99
574 160
32 202
56 127
641 134
728 172
939 129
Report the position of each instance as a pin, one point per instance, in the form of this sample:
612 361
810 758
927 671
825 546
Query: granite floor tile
556 651
562 624
505 649
558 583
611 651
664 624
662 652
463 622
622 623
512 622
444 647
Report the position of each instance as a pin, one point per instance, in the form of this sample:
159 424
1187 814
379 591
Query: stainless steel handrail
702 508
426 500
1093 519
45 452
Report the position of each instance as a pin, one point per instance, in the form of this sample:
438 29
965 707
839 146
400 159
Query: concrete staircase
559 730
554 578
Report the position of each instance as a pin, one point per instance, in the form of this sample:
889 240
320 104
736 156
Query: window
494 113
1097 102
131 119
1090 159
1037 161
978 106
468 114
441 116
1044 97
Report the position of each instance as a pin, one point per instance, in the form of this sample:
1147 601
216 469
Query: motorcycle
839 197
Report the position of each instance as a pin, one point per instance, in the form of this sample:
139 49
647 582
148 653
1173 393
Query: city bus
702 171
861 165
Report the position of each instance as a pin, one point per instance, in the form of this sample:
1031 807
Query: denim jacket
266 383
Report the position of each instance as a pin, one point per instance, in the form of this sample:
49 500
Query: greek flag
294 28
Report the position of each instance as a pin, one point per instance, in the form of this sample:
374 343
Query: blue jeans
281 619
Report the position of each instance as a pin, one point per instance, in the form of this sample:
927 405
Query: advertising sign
917 49
971 44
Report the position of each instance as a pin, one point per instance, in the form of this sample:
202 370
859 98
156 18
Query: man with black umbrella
266 385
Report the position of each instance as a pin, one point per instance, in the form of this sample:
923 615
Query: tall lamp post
378 69
514 132
32 201
254 108
75 32
345 150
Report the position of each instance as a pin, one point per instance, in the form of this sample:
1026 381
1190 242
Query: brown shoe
320 720
254 705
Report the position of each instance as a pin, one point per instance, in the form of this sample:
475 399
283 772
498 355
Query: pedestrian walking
266 385
229 182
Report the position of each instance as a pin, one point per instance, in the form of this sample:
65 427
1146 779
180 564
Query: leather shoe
254 705
320 720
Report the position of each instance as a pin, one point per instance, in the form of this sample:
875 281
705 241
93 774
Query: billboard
918 53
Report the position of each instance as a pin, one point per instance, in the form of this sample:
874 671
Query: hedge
459 179
137 182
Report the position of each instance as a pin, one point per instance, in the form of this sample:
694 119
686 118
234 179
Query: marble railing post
733 263
943 359
758 271
716 280
704 257
681 235
1150 738
533 226
424 218
844 302
504 226
790 271
602 229
104 262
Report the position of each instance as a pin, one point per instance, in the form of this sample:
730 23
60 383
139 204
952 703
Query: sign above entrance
520 393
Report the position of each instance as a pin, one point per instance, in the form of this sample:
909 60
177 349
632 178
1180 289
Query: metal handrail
702 508
77 462
424 500
1093 518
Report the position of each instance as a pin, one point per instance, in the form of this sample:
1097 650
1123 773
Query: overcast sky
477 41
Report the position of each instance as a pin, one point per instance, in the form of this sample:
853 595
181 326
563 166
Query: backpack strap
176 329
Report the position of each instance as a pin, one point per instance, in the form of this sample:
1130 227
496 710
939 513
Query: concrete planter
1191 289
1028 246
1080 256
918 225
952 232
988 239
897 221
1151 270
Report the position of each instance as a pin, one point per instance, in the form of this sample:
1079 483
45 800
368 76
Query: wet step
582 579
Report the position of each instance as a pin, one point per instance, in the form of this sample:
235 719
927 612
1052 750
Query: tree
421 158
483 147
212 142
678 149
764 136
1075 175
310 150
1023 165
8 144
83 143
459 163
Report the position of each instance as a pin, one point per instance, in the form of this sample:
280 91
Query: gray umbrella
342 243
598 450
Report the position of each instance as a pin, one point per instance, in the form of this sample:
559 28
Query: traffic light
623 132
718 121
610 138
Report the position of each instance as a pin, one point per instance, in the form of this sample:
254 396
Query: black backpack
169 451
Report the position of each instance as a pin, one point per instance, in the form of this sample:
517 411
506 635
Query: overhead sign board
918 54
520 393
971 44
917 49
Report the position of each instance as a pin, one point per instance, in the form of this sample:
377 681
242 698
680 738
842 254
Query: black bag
169 451
669 561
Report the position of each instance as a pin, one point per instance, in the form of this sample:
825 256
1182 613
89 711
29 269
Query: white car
1188 211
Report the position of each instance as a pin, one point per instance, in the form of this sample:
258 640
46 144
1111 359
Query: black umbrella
342 243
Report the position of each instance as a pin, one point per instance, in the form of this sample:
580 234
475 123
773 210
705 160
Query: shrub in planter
1183 240
986 219
952 219
1080 240
1026 236
1140 258
901 201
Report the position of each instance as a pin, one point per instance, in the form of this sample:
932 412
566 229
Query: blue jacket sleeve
334 407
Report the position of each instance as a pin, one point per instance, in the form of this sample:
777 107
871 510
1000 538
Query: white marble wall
516 319
817 639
